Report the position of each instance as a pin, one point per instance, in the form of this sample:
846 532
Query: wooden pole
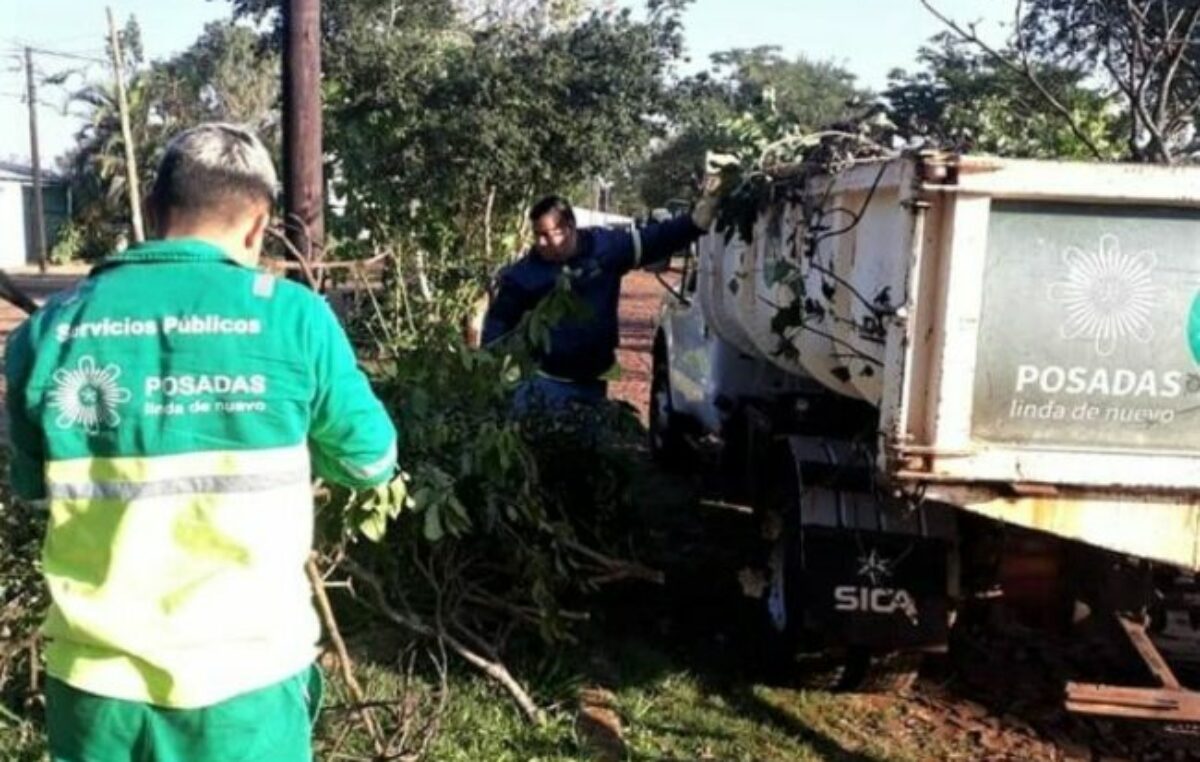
303 185
131 168
39 209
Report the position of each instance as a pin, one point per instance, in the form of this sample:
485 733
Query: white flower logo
87 395
1108 294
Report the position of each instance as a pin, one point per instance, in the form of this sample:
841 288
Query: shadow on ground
997 695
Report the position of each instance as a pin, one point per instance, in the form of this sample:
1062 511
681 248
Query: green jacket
172 408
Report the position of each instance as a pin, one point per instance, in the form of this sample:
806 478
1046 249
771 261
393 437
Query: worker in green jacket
172 410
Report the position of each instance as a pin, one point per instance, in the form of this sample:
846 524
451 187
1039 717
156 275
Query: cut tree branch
343 656
302 260
804 326
616 568
413 623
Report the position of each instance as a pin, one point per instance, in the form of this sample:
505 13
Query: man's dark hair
553 204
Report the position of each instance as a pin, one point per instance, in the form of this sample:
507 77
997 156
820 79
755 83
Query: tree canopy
224 75
964 99
746 95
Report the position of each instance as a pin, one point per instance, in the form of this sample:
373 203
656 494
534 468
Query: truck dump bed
1022 327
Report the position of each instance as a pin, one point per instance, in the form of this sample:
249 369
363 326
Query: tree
700 104
1144 50
801 91
746 92
225 75
964 99
442 132
484 13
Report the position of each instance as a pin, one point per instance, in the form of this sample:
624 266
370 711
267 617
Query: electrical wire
58 54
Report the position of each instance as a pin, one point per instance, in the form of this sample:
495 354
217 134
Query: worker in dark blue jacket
581 351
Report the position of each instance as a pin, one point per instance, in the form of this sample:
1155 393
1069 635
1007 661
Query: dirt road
640 293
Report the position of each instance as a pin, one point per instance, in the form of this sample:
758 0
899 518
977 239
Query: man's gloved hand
720 173
704 213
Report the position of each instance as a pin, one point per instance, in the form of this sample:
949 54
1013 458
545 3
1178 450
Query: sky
78 27
867 37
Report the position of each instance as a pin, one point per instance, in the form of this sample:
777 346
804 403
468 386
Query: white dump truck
938 377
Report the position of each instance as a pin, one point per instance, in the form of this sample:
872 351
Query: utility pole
131 169
39 209
303 183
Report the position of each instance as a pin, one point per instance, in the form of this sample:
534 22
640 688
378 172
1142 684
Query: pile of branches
768 170
496 533
22 603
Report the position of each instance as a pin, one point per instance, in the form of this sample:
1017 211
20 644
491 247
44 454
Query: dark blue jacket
582 350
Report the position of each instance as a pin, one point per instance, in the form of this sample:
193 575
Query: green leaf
433 523
418 402
787 317
777 271
396 496
373 526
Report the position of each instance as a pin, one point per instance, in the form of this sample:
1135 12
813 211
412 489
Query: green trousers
272 724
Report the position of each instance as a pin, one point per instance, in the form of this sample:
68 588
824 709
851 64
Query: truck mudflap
872 589
869 570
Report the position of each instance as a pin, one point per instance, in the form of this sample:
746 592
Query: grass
681 662
677 659
20 741
670 711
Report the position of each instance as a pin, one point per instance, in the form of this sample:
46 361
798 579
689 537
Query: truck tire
667 446
824 670
854 669
892 673
781 622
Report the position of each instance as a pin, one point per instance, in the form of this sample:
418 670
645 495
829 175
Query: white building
18 243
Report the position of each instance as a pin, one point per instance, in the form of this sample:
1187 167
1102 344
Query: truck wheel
854 668
825 670
667 447
781 613
892 673
851 670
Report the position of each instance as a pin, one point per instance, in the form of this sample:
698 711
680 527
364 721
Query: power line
60 54
60 41
58 45
23 98
15 43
